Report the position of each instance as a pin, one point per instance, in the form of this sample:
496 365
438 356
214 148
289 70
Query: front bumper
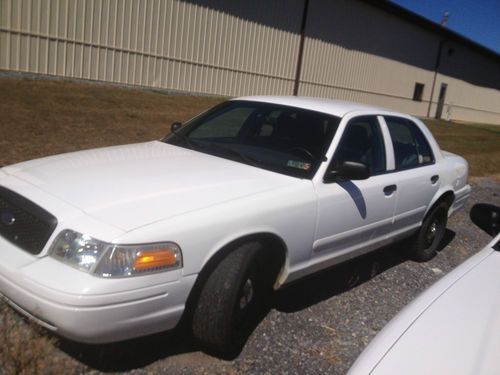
88 309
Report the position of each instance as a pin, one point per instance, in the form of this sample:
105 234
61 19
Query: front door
354 216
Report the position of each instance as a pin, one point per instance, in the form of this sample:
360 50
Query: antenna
444 20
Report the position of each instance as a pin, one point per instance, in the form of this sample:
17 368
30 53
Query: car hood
452 328
133 185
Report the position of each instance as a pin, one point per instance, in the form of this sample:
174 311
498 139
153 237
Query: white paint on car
155 192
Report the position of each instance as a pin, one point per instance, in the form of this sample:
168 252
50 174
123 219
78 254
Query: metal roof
425 23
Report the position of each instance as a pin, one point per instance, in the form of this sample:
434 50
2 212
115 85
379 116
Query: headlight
112 260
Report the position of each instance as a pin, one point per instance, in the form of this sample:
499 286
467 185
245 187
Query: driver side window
362 142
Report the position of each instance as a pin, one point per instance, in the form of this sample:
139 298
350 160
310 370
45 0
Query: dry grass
479 144
26 349
491 128
39 118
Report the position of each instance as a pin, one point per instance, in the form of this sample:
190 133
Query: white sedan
114 243
451 328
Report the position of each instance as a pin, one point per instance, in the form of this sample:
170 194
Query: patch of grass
479 144
27 349
491 128
42 117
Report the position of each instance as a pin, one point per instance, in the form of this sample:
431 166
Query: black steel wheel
425 243
232 300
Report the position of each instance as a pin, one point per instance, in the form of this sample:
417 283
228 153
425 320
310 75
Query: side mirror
348 170
175 126
487 217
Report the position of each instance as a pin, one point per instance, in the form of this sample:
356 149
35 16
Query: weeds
26 348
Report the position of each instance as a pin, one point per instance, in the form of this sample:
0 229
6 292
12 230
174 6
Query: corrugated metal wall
467 102
361 54
169 44
473 80
347 57
352 51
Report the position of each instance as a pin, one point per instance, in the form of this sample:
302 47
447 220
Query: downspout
301 48
436 68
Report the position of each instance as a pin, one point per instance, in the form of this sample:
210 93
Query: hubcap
246 294
431 233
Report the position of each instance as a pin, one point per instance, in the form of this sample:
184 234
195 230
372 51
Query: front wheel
231 300
425 243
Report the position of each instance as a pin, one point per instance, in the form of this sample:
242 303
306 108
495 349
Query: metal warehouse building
361 50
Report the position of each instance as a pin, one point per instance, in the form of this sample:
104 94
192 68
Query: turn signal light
154 259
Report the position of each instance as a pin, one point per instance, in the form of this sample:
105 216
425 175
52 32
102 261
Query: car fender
439 194
232 240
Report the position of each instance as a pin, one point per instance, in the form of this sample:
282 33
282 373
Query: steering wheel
302 150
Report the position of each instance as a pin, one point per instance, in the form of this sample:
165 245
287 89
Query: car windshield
283 139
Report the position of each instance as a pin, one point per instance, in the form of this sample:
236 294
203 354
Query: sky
478 20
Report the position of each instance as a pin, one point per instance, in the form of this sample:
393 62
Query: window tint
228 123
411 148
266 127
362 142
425 155
280 138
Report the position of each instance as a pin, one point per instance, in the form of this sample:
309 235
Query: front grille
23 223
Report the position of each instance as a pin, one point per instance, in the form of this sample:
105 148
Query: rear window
411 148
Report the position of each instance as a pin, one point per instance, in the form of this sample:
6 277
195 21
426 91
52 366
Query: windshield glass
283 139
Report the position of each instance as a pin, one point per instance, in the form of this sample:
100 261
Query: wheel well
447 197
273 254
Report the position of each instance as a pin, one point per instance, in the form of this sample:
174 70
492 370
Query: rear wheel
232 300
425 243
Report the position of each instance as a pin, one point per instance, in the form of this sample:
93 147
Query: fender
229 242
443 191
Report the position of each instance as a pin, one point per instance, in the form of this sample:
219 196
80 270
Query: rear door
416 173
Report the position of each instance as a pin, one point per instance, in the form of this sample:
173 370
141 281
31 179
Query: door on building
440 104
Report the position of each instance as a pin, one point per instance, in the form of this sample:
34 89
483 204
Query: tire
232 300
425 243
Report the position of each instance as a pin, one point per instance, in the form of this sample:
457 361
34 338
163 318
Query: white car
451 328
119 242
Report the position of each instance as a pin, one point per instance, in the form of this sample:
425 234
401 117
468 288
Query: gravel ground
319 325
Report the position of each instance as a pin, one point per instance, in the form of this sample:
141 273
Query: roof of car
330 106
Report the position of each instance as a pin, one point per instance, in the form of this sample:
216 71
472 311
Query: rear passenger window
411 148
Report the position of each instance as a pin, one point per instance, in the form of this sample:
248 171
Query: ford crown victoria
119 242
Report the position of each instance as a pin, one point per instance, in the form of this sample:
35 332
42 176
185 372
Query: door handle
434 179
388 190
